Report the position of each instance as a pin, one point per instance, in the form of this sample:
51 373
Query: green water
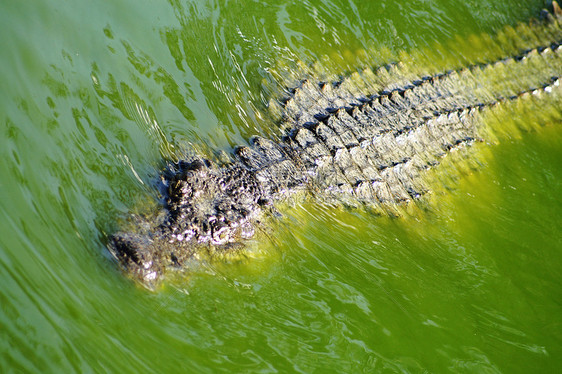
93 95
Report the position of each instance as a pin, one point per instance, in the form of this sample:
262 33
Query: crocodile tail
375 147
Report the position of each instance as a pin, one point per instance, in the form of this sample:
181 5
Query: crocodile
368 138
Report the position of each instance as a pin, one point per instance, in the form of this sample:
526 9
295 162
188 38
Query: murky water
95 94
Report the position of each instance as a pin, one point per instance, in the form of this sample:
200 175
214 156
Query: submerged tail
371 134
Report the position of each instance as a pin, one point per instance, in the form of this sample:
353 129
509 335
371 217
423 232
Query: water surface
94 95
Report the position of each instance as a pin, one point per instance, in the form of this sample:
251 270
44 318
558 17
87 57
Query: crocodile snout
135 253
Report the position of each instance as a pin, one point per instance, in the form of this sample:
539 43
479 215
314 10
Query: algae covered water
95 95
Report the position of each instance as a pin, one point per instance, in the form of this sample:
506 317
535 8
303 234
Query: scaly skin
346 140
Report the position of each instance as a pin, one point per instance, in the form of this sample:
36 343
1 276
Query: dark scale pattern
206 202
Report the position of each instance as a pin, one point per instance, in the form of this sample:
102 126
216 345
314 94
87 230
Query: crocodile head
208 211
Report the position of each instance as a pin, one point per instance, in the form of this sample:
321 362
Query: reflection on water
95 95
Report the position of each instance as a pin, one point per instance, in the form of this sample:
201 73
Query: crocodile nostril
128 247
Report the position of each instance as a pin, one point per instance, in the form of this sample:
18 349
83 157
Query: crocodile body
369 138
